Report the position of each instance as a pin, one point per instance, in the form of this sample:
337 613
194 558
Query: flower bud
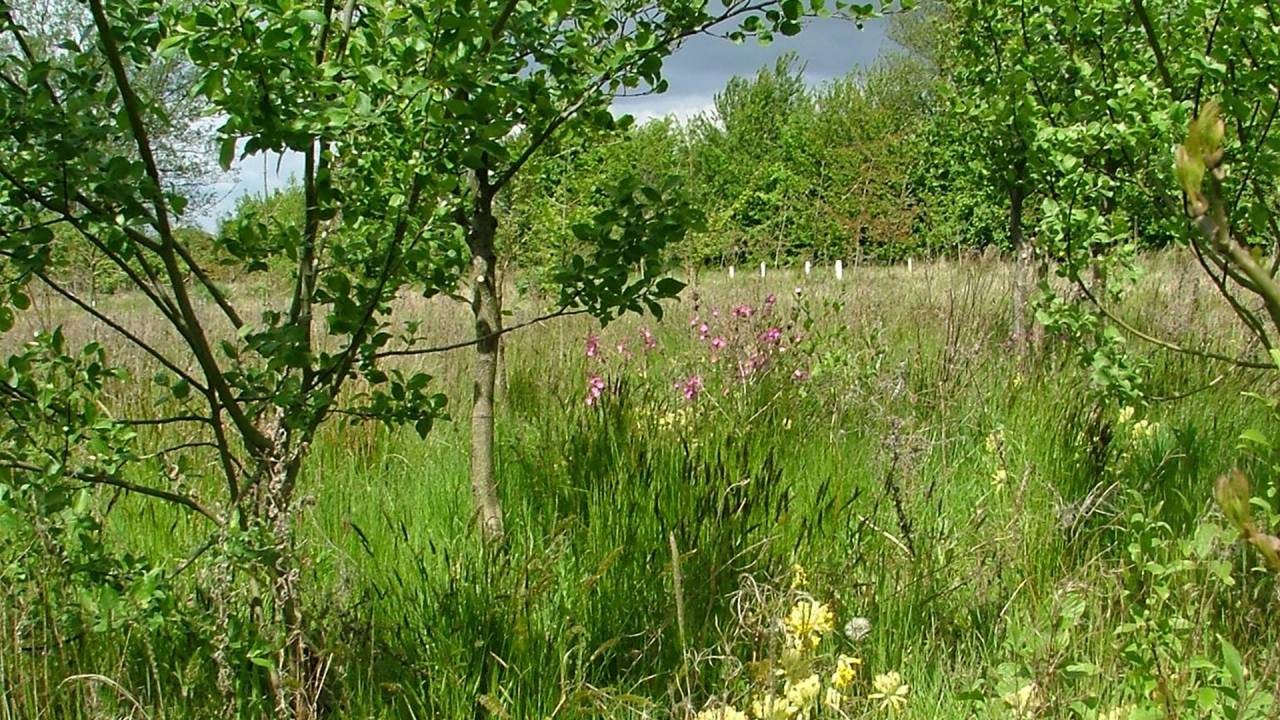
1232 493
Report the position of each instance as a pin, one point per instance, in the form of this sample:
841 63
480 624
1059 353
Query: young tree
411 117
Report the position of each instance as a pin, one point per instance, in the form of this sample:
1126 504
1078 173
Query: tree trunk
1022 261
486 308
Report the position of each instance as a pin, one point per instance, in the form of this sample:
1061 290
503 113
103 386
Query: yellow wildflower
993 441
1126 413
772 707
846 670
804 693
1122 712
1000 477
833 699
1024 702
724 712
1144 430
807 622
890 691
798 577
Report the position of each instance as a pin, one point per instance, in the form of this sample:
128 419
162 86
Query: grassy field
1017 544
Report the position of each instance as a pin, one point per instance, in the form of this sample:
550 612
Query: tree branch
98 479
409 352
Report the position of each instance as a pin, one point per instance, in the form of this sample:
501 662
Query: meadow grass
991 515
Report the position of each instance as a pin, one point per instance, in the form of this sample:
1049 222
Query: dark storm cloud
827 49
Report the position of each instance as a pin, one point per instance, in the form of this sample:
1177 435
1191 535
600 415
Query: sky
827 48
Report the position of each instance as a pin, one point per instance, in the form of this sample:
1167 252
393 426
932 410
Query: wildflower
771 336
1126 413
595 386
807 622
833 699
691 386
1000 477
994 441
649 342
800 375
846 670
1121 712
703 331
798 291
1024 702
724 712
593 346
798 577
1144 430
743 311
718 343
622 350
857 628
769 300
803 693
715 312
772 707
890 691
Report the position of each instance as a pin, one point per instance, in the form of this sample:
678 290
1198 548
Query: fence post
730 272
762 271
839 270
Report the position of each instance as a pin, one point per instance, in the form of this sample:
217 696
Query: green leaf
1233 662
227 152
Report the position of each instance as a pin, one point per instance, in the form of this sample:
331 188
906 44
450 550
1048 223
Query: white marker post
908 264
839 271
730 272
762 271
808 268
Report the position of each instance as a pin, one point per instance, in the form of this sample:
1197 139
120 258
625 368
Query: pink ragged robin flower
649 342
743 311
690 387
718 343
593 346
771 336
595 387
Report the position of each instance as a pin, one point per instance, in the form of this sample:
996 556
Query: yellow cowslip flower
993 441
1126 413
807 622
1122 712
1144 430
1000 477
724 712
804 693
798 577
845 672
1024 702
833 699
772 707
890 691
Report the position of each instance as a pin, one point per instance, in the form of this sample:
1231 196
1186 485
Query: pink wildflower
593 346
715 313
770 299
743 311
771 336
703 331
622 350
690 387
718 343
595 386
800 375
649 342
